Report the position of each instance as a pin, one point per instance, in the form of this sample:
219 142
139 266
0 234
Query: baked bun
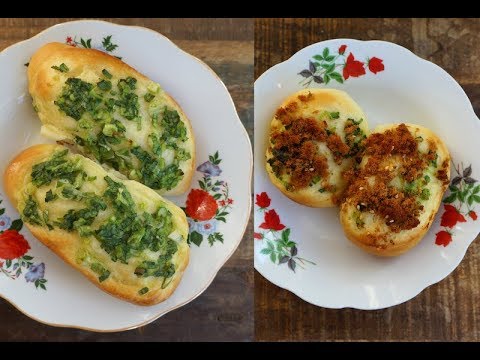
314 137
123 236
395 192
112 114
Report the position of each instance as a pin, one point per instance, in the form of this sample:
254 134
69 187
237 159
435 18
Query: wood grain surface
447 311
224 312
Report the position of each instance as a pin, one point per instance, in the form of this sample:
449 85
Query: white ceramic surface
66 297
397 86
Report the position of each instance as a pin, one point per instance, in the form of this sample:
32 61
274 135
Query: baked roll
123 236
395 192
112 114
314 137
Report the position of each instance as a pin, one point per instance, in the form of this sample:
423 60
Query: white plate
50 291
397 86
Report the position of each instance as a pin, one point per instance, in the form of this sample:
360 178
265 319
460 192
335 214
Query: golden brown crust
45 85
66 244
40 80
302 196
374 236
310 104
374 243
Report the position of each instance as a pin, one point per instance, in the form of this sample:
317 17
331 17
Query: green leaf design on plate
336 76
196 238
16 225
450 198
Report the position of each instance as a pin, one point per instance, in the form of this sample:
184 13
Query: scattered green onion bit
104 276
106 74
104 85
148 97
101 271
356 122
62 68
143 291
334 115
315 179
425 195
50 196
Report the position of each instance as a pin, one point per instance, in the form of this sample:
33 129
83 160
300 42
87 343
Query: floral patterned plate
218 205
304 249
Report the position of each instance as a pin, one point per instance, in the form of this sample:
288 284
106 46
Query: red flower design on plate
272 221
12 245
201 205
257 236
70 41
375 65
230 201
353 68
473 215
341 49
263 200
451 216
443 238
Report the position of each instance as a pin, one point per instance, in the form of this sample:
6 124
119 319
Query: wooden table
225 310
447 311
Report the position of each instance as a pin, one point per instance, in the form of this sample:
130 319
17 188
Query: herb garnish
148 97
425 194
154 173
334 115
126 233
128 102
354 140
96 107
30 212
173 127
50 196
76 98
62 68
106 74
104 85
101 271
143 291
57 167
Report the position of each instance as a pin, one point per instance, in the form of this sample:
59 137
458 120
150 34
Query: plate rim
466 99
250 176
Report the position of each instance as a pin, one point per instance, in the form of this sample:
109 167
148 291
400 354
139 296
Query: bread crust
376 238
331 100
45 85
67 244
